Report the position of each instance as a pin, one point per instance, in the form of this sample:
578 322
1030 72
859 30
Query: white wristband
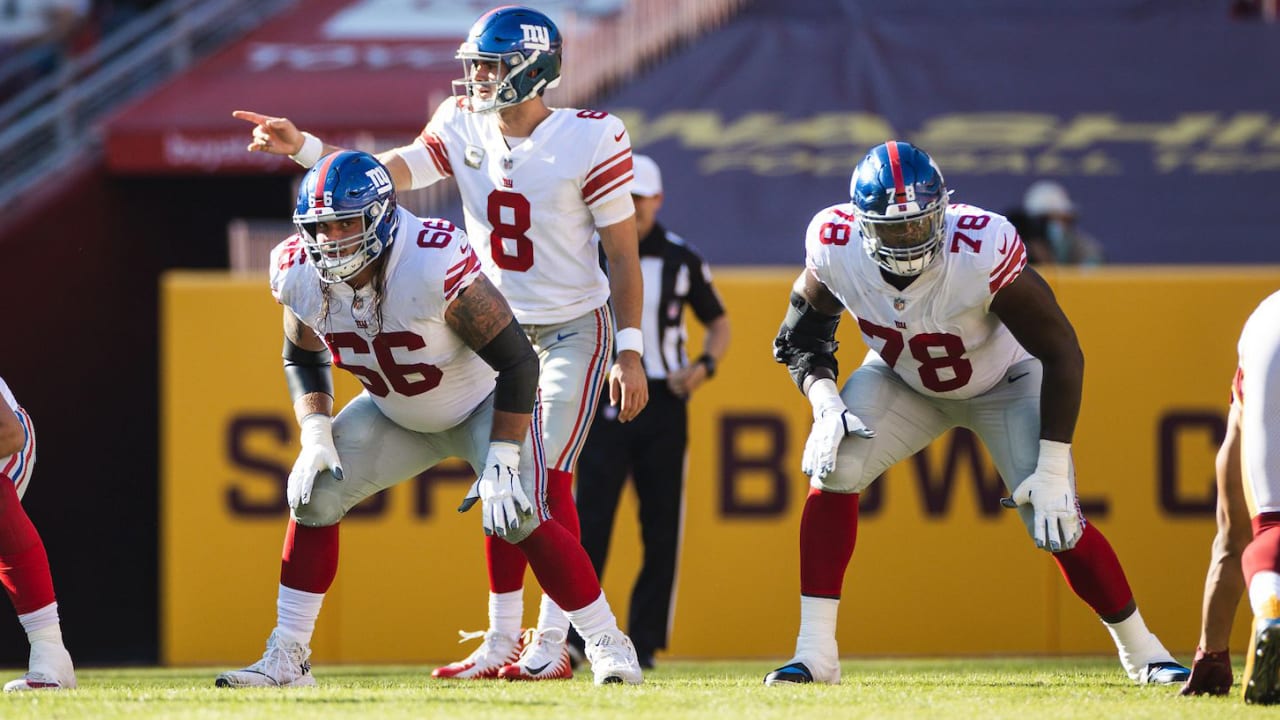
316 427
310 152
1055 457
823 396
630 339
504 452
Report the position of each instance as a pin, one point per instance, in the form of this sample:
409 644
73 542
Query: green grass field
1054 689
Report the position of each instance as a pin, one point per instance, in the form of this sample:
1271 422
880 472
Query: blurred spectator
1053 236
29 23
1268 10
1031 230
35 36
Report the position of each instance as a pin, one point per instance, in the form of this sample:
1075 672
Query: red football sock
828 532
1263 552
506 565
560 500
309 561
1093 572
24 566
561 565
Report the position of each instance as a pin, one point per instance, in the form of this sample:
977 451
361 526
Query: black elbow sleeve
306 371
806 340
510 353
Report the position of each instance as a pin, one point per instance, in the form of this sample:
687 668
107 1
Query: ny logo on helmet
380 179
536 37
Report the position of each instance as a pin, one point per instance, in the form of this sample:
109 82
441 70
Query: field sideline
1058 688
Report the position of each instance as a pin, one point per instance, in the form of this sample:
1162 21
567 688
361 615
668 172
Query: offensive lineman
537 183
962 333
401 303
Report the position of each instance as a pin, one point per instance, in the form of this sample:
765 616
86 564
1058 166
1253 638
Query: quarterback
401 303
962 334
537 185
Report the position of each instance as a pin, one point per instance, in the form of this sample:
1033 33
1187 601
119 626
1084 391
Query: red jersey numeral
436 233
509 216
407 379
292 254
968 222
835 234
923 347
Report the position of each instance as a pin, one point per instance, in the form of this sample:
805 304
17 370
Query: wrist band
630 339
310 152
709 363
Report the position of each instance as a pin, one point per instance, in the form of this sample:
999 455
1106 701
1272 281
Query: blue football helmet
900 199
512 54
346 184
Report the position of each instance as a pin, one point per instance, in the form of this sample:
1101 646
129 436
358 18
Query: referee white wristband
310 152
630 339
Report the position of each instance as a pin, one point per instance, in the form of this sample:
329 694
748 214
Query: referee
651 448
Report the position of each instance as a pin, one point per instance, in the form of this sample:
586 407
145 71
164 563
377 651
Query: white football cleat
495 652
286 663
545 657
49 669
613 659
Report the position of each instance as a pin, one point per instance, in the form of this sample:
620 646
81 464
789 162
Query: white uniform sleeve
613 211
610 175
463 269
1008 260
285 256
427 156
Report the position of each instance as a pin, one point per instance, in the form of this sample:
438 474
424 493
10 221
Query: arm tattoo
479 313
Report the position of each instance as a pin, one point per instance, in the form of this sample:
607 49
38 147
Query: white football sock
817 637
1264 588
551 616
506 612
595 618
296 613
1138 646
40 619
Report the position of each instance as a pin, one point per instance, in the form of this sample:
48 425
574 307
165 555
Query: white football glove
318 454
504 501
1048 489
832 421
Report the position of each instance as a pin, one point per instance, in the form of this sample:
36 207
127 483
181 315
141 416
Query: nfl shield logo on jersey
473 157
899 304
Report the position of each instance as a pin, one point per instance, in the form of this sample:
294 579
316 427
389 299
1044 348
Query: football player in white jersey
1257 393
1211 672
962 334
537 183
401 303
24 566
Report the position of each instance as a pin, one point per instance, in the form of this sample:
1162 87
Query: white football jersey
1257 390
938 334
7 394
529 209
419 373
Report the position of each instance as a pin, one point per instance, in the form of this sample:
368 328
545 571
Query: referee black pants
651 450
